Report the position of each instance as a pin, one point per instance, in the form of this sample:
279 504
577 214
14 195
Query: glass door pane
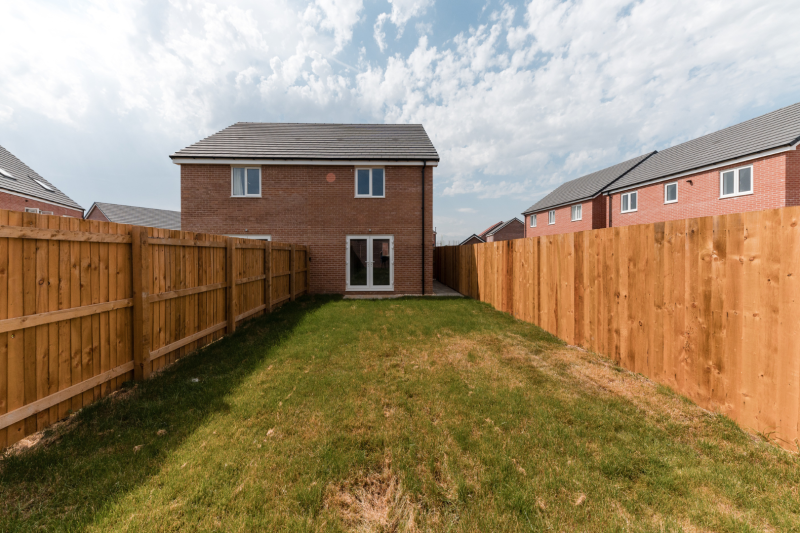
358 262
381 263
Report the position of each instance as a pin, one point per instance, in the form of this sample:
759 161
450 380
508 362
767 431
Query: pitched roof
473 236
503 225
139 216
586 186
485 232
777 129
26 181
263 140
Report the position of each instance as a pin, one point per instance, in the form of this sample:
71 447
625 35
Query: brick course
299 205
13 202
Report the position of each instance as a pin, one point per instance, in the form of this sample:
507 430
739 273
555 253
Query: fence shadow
89 461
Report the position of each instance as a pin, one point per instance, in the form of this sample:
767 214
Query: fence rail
87 305
709 306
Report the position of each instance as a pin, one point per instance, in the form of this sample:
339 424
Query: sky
517 97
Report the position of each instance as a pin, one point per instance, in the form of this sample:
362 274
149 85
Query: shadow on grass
91 461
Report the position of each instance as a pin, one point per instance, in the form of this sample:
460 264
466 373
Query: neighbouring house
472 239
22 189
750 166
138 216
510 229
360 195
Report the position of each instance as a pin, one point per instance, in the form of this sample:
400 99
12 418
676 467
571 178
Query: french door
370 263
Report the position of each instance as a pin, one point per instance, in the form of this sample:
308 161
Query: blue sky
518 97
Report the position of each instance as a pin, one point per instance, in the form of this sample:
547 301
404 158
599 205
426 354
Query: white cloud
402 11
466 210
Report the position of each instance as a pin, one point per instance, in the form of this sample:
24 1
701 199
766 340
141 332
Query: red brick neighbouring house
22 189
359 195
138 216
751 166
510 229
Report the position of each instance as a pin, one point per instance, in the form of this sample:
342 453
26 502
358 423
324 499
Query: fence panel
88 305
709 306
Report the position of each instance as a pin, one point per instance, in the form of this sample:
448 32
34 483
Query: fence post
268 276
230 265
141 308
308 269
292 268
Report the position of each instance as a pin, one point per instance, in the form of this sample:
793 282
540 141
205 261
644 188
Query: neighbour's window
671 193
370 183
246 182
533 221
577 212
736 182
630 201
551 217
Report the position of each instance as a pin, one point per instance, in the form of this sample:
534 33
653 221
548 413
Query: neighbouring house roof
587 186
503 225
138 216
778 129
485 232
279 141
27 182
473 236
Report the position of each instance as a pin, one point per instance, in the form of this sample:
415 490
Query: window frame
245 195
551 217
572 212
533 220
369 287
666 200
251 236
370 195
628 194
736 182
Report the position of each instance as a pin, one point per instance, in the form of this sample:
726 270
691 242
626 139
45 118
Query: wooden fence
709 306
87 305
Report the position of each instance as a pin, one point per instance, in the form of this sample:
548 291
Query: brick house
750 166
138 216
510 229
360 195
22 189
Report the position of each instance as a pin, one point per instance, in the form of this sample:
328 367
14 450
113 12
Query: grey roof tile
139 216
263 140
586 186
773 130
24 181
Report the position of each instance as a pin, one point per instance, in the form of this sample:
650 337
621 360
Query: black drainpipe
424 164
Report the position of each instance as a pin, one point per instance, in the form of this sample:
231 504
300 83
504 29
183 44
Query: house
751 166
22 189
138 216
505 231
472 239
360 195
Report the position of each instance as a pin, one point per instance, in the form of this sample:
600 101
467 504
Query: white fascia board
706 168
190 161
562 204
14 193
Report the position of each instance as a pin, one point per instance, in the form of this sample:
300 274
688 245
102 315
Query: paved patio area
440 289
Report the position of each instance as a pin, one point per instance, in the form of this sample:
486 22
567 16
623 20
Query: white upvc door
370 262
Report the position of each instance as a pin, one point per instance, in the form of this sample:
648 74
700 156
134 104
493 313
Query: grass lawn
397 415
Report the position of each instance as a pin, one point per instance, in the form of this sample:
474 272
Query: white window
630 201
246 181
31 210
736 182
255 237
671 193
46 212
533 221
370 183
551 217
370 263
577 212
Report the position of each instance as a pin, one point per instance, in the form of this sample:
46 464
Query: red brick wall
564 224
514 230
18 203
793 177
472 240
701 198
96 214
299 205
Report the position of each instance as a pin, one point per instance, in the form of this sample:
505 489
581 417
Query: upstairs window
630 201
246 182
551 217
671 193
577 212
533 221
370 183
736 182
